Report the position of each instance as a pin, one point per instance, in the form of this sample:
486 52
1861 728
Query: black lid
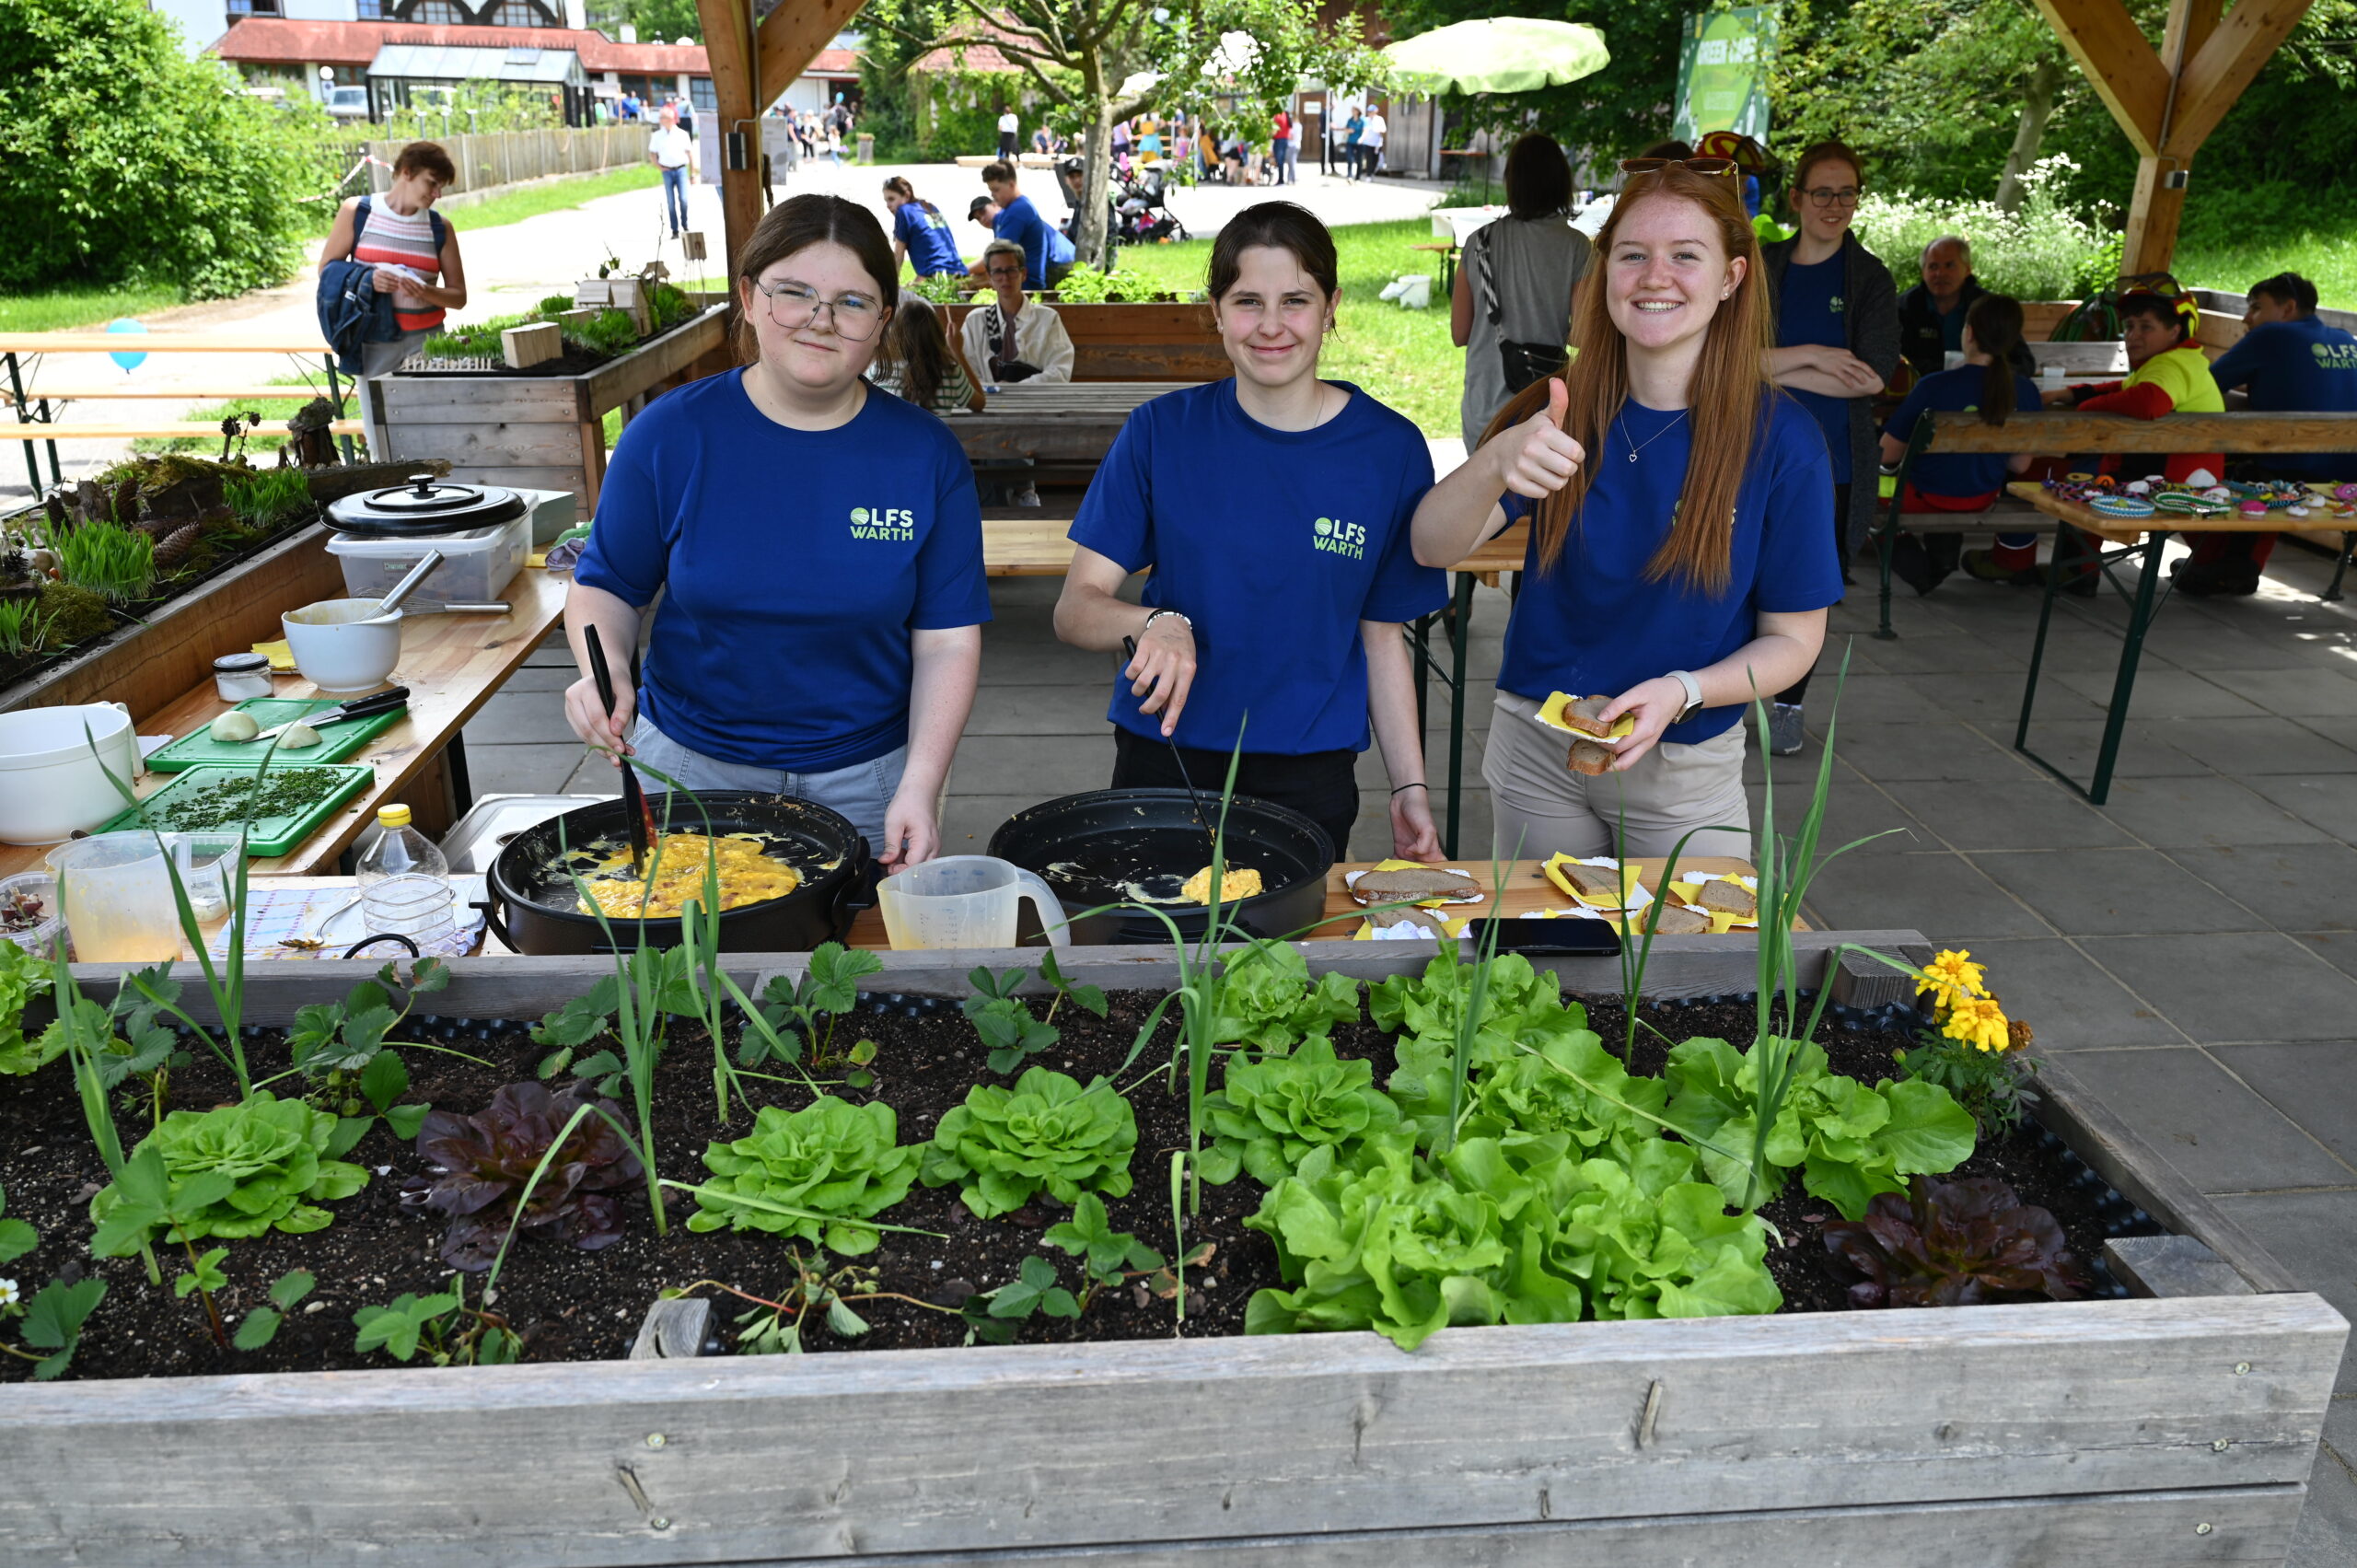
426 506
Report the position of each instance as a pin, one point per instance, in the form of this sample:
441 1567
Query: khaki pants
1538 803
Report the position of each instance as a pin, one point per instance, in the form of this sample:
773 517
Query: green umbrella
1497 54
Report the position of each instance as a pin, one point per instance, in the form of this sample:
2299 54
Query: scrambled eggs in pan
1233 885
746 876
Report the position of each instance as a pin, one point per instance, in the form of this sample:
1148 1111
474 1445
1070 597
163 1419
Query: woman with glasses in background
1837 343
818 548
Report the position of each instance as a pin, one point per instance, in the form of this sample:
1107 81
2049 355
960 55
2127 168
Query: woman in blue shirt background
818 548
921 233
1988 385
1274 509
1682 557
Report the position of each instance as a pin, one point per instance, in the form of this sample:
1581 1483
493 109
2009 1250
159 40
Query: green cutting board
269 835
336 742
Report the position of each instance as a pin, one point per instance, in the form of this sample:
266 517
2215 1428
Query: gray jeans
1538 803
383 359
861 792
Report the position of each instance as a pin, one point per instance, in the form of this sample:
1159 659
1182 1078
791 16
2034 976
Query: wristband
1158 614
1405 787
1693 694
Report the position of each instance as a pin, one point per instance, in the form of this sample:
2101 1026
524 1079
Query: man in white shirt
669 148
1371 142
1007 127
1010 341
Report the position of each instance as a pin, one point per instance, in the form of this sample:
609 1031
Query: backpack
353 314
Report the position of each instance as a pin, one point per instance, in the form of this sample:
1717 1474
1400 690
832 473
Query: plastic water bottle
404 881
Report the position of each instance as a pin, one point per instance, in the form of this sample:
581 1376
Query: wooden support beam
736 86
792 35
2215 74
2153 213
2117 61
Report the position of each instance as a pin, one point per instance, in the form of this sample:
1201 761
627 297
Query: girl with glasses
1837 342
817 547
1681 549
1272 507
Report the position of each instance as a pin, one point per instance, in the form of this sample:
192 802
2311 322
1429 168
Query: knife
375 702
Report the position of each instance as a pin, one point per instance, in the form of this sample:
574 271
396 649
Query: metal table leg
2144 609
32 454
462 793
1459 632
2348 550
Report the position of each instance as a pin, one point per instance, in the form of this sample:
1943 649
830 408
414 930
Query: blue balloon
126 324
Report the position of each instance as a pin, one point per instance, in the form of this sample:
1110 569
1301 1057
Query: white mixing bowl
342 645
50 784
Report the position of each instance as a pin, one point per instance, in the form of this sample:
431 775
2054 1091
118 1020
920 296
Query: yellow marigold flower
1980 1022
1951 978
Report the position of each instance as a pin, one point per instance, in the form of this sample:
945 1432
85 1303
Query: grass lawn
556 196
278 409
58 310
1404 358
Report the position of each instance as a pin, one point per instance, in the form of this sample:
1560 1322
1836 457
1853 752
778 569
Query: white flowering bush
2044 250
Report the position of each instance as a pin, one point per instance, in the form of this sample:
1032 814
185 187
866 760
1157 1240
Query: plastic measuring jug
966 900
117 897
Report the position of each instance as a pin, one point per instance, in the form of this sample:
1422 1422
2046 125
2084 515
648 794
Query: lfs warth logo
896 525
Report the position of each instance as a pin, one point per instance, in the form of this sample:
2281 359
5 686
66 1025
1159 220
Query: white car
347 103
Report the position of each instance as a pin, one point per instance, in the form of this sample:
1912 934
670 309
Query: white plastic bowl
50 786
342 645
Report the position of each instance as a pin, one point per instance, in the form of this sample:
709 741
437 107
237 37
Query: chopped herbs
242 796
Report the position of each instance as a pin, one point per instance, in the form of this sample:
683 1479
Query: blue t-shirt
926 234
1276 543
2291 368
1595 624
1955 391
1042 241
794 565
1808 311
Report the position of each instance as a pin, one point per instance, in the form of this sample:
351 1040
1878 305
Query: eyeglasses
1692 165
1833 195
794 306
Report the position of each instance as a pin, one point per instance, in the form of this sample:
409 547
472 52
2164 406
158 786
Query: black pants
1006 144
1799 689
1321 785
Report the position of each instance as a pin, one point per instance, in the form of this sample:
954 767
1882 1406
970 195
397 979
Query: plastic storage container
39 939
477 562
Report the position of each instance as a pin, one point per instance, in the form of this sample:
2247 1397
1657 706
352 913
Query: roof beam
2118 62
791 36
2215 74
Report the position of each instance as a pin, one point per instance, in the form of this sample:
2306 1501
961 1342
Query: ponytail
1995 323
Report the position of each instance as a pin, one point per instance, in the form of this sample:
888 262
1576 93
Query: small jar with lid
238 676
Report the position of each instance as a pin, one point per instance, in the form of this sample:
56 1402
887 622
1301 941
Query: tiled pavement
2192 945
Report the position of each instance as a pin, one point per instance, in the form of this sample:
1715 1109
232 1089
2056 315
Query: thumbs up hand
1536 458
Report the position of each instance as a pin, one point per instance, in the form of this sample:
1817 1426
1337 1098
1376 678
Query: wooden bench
2065 433
31 395
158 430
1446 251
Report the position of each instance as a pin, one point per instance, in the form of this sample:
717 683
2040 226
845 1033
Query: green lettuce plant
260 1165
818 1172
1850 1140
24 976
1268 1001
1048 1133
1272 1112
1565 1080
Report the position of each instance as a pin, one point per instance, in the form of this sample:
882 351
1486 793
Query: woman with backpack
398 232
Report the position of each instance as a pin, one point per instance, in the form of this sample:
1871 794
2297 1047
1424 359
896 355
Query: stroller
1142 213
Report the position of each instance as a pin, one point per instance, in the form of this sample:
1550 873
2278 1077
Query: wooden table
451 665
1526 889
1065 421
2138 538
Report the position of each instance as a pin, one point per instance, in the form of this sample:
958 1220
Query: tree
1078 55
126 160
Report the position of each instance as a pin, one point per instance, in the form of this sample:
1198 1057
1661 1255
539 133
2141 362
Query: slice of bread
1414 917
1425 882
1733 897
1588 757
1665 919
1591 881
1585 713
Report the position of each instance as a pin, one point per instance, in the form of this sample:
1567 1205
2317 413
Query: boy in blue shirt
2288 361
1047 254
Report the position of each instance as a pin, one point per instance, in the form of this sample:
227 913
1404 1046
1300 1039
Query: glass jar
238 676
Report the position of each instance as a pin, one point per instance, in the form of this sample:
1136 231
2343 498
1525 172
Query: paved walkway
2191 948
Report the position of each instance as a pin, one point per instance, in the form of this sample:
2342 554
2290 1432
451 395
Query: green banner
1723 72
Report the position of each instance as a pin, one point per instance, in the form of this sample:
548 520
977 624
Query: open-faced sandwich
1582 716
1422 920
1589 881
1729 897
1415 886
1665 919
1589 757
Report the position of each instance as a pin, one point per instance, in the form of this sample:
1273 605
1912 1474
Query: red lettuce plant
1961 1243
480 1165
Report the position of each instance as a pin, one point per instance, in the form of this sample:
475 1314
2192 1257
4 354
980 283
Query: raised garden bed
542 428
2176 1430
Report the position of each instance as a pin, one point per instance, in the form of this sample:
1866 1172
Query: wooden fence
507 158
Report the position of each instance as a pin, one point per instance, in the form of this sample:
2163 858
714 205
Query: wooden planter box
150 664
2171 1430
540 432
1169 341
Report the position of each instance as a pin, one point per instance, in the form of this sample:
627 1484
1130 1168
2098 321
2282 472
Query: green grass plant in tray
288 804
337 741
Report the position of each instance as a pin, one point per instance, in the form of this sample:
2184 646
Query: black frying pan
1137 845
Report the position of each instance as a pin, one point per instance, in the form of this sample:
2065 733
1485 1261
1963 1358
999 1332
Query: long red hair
1724 400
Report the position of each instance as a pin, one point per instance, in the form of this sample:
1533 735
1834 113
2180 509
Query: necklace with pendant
1648 440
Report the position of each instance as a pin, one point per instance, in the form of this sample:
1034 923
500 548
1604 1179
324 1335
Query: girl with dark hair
1274 509
1681 552
1511 308
1986 384
817 547
1837 343
920 233
918 366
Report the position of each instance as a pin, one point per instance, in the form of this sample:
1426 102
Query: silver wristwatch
1693 694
